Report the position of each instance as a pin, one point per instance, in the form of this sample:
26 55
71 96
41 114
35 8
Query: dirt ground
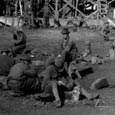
48 41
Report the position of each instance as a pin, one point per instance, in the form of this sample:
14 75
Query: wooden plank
67 3
111 1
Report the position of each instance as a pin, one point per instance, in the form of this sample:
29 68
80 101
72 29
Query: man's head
65 33
46 2
59 63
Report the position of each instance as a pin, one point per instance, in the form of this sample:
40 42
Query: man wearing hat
106 31
65 38
19 41
23 78
54 78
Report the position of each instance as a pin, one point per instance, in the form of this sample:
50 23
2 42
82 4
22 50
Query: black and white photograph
57 57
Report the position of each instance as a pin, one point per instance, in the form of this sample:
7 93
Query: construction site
45 41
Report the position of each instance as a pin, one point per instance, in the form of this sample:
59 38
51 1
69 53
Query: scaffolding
62 9
65 8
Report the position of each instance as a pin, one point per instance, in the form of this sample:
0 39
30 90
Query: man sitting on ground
23 78
19 41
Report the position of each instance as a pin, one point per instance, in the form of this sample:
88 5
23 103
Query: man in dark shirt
19 41
6 62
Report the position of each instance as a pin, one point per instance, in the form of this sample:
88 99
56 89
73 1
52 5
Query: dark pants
24 86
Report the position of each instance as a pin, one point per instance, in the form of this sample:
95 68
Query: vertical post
21 12
56 11
76 8
25 1
16 5
98 13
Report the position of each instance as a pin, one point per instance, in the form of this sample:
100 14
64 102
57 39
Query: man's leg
56 94
85 93
55 90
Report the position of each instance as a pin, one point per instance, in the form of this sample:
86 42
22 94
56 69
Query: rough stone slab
99 83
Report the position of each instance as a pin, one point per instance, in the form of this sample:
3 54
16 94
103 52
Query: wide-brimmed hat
25 58
65 31
59 63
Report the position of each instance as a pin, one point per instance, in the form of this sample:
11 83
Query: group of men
61 72
30 17
60 75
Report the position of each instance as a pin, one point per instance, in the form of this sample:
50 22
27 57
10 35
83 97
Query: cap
59 63
65 31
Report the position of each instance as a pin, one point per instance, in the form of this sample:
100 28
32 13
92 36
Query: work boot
58 103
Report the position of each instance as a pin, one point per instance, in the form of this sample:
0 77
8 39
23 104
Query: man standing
46 13
29 14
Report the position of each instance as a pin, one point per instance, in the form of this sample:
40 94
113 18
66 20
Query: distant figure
2 7
19 41
111 54
29 14
46 13
107 31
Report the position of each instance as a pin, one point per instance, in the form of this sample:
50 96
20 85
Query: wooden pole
56 11
76 8
98 14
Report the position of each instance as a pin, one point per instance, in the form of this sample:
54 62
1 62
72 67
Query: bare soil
47 40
